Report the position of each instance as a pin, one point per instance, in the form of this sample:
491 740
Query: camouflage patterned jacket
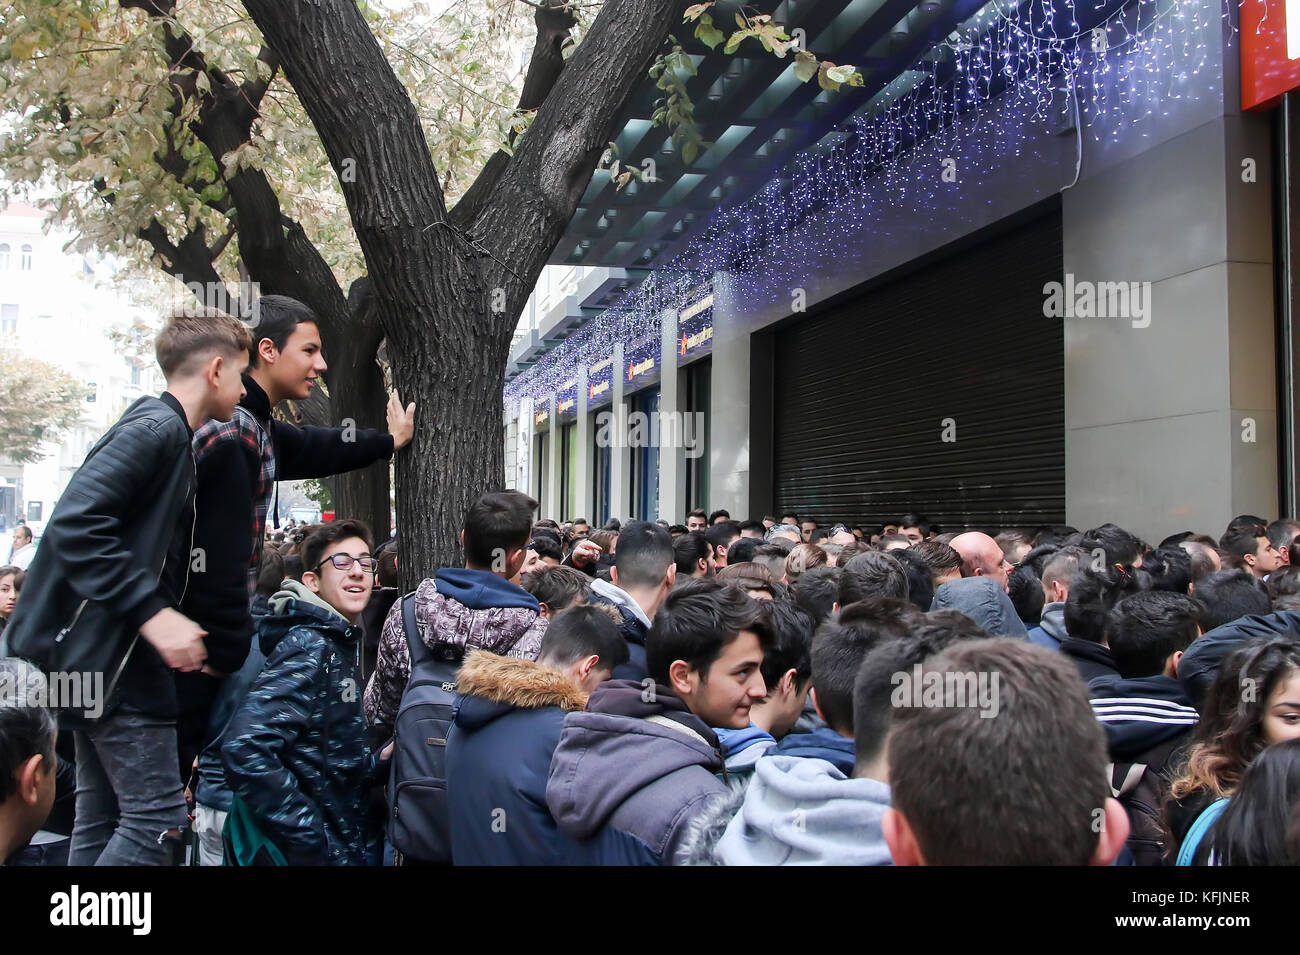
295 751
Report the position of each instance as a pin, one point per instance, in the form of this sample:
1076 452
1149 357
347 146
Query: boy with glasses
295 751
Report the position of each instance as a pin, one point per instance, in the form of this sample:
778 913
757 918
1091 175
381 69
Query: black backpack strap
415 647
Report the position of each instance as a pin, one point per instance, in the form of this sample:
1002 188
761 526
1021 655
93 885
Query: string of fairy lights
1012 60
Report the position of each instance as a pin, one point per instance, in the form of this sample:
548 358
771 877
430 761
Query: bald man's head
981 557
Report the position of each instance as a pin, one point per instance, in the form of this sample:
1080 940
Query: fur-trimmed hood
492 686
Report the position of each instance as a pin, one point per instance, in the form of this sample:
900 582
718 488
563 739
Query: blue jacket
634 768
295 751
985 602
633 629
1200 662
1051 629
499 753
742 748
821 743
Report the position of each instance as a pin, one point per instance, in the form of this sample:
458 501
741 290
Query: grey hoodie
797 811
985 602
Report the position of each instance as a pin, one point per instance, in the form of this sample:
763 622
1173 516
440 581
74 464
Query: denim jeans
128 792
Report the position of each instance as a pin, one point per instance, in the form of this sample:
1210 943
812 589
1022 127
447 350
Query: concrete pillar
1172 425
551 501
729 402
672 449
620 457
583 497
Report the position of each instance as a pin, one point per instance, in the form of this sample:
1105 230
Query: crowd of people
769 691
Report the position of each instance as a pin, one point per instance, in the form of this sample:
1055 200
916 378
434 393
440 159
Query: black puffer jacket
295 752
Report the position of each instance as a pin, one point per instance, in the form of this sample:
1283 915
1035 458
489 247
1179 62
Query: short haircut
1119 545
783 528
326 534
546 544
1026 593
872 574
843 642
1143 629
792 635
873 689
1014 537
1282 531
557 587
720 512
920 581
1168 569
721 535
770 556
941 557
270 571
1242 539
884 542
1064 566
1091 598
753 526
792 514
1020 789
26 721
699 512
1283 582
1229 595
688 549
696 622
917 521
749 575
579 632
190 338
1201 555
803 558
742 550
645 552
24 530
498 522
387 573
817 591
277 318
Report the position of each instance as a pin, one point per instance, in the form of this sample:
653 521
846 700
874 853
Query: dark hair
1242 539
719 513
688 549
677 530
276 317
1026 593
270 571
882 545
699 512
314 547
1167 568
749 575
1143 629
1229 595
873 688
1230 734
843 642
817 591
580 520
940 556
17 573
786 514
498 522
577 633
26 730
1052 534
721 535
644 554
920 581
387 573
1092 595
1245 520
1064 566
557 587
192 337
1120 546
546 544
770 556
1281 583
791 649
753 526
872 574
917 521
1021 789
293 567
1253 827
696 622
1014 536
742 550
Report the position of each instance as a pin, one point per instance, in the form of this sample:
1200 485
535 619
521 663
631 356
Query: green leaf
690 151
707 33
736 39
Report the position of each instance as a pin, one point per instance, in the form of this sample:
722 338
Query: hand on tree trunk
401 424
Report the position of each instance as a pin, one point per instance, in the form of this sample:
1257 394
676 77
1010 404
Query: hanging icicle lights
1118 76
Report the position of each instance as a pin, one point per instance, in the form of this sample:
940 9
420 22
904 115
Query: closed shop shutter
941 392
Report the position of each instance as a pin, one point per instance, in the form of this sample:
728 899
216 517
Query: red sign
1270 51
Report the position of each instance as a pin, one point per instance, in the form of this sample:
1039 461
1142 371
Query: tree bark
448 300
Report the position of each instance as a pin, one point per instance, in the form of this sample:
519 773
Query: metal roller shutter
863 393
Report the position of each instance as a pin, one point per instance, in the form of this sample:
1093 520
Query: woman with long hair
1254 703
1253 827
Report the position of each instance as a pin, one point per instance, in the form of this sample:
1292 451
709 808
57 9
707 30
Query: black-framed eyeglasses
344 562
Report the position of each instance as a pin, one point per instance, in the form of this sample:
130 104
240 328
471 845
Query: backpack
419 819
1141 788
